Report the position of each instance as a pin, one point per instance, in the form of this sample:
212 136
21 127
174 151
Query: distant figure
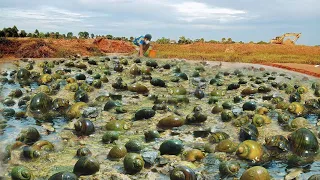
143 43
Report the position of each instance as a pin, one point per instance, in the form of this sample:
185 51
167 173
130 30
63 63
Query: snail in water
249 132
227 146
303 142
218 136
229 168
182 173
277 143
171 147
28 135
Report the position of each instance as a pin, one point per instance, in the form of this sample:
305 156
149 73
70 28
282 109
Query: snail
41 103
28 135
249 106
30 153
241 121
111 104
138 88
249 132
117 152
218 136
229 168
303 142
157 82
260 120
278 143
182 173
134 70
86 166
21 173
145 113
226 115
117 125
110 136
227 146
194 155
171 147
197 116
296 108
133 146
23 76
83 152
63 176
170 122
84 127
256 172
250 150
74 110
151 135
133 163
178 91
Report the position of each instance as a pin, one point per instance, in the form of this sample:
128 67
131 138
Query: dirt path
311 70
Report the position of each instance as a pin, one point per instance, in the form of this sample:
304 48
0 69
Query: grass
249 53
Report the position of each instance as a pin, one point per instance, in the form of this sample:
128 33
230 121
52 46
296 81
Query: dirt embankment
57 48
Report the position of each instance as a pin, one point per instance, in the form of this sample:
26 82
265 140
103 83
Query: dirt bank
58 48
311 70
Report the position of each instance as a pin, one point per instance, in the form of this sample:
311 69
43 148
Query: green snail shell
63 176
117 152
21 173
277 142
133 146
218 136
171 147
227 146
83 152
303 142
110 136
117 125
249 132
229 168
171 121
30 153
43 145
151 135
133 163
41 103
28 135
144 113
86 166
182 173
314 177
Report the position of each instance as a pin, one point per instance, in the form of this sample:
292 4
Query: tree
223 40
163 40
109 36
2 34
86 35
15 31
57 35
182 40
47 35
41 35
22 33
81 35
7 32
36 33
92 35
69 35
29 35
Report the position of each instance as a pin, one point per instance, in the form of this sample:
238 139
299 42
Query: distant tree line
14 32
184 40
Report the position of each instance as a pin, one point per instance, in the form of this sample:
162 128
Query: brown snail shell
117 152
218 136
182 173
194 155
227 146
171 121
255 173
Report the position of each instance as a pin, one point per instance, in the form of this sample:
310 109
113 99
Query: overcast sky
243 20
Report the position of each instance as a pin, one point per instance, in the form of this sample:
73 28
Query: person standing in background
143 43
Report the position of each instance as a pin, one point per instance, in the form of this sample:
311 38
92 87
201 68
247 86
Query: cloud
192 11
44 14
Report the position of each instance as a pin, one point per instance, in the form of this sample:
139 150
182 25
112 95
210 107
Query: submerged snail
83 152
182 173
133 163
21 173
229 168
84 127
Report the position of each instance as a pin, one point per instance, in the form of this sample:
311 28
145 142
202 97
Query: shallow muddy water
61 133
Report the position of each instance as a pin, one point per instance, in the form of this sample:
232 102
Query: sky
245 20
